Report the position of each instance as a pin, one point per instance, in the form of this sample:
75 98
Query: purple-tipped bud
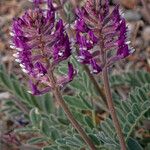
42 44
95 26
69 77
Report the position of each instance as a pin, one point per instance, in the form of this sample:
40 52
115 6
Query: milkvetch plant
102 39
42 43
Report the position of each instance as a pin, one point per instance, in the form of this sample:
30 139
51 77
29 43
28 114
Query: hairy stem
108 94
70 116
112 109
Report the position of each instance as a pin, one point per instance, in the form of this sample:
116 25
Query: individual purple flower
95 26
65 79
41 43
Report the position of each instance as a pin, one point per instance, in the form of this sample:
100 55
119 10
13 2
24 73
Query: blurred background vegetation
20 113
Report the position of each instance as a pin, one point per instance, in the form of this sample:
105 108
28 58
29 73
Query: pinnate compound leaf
129 113
133 144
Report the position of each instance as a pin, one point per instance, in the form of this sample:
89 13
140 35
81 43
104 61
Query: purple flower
65 79
95 26
41 43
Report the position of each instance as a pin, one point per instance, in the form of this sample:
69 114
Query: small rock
131 15
138 42
4 95
146 34
146 124
129 3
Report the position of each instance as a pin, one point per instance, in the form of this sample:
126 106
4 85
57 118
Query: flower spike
41 43
96 25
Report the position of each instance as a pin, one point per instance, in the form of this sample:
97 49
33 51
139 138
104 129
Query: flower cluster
41 44
98 30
